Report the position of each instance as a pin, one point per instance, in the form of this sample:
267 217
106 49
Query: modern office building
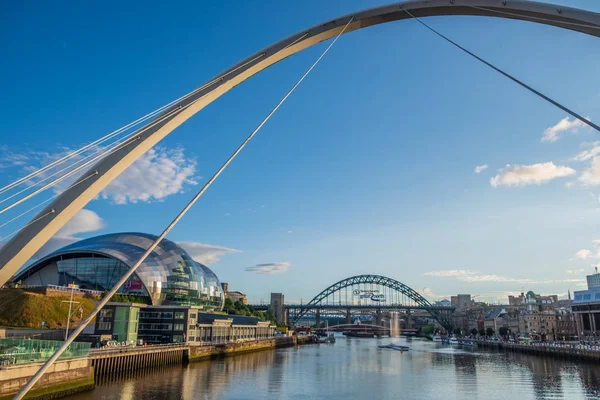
128 322
586 308
168 276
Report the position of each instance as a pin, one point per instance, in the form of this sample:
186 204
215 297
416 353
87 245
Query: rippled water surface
357 369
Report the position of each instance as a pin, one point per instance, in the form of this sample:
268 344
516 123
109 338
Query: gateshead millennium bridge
100 170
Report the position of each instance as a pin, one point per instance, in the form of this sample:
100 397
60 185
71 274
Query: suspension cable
41 216
42 203
124 128
111 148
543 96
116 142
124 278
63 177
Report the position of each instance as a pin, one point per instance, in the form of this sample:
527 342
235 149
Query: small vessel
331 338
394 347
453 340
466 344
437 338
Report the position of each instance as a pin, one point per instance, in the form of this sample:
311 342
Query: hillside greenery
19 308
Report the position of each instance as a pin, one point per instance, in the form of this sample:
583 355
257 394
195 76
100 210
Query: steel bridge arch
49 221
377 280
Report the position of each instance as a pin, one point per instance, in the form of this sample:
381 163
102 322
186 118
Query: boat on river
393 346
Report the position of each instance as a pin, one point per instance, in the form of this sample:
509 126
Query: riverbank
76 375
562 352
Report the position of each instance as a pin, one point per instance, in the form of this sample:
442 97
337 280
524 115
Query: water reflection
357 369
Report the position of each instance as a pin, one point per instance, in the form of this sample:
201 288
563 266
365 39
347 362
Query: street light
69 315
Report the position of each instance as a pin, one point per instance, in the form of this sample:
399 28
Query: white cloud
206 254
591 175
481 168
589 153
476 277
429 294
451 272
84 221
552 134
575 271
159 173
269 268
583 254
487 278
521 175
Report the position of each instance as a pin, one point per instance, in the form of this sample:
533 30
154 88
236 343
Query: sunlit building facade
168 276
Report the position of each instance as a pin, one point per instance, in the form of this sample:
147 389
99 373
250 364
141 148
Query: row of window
163 315
161 327
587 296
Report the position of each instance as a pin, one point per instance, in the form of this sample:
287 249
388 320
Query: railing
550 345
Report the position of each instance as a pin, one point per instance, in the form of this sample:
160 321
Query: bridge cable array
126 276
101 152
536 92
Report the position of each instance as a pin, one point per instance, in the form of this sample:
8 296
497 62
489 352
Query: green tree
489 332
474 331
427 329
503 331
481 332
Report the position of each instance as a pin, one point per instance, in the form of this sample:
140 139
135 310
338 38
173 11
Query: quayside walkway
72 375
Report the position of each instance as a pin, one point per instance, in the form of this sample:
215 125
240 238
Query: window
178 327
106 312
192 316
191 339
577 297
104 326
192 326
179 315
156 315
587 296
177 338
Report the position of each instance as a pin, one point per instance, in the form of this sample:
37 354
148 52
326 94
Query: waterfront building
277 308
586 308
234 295
495 320
175 324
168 276
516 300
463 301
593 281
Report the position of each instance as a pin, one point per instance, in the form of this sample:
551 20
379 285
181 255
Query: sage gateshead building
168 276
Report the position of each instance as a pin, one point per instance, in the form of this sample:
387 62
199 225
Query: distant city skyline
398 156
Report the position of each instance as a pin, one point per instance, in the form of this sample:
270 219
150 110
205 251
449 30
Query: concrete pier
64 377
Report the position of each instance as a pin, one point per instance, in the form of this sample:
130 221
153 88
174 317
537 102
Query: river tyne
357 369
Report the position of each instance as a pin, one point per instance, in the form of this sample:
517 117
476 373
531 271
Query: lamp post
69 314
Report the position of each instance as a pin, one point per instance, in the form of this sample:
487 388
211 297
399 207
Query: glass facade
22 351
167 276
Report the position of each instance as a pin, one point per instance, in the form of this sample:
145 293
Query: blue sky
368 168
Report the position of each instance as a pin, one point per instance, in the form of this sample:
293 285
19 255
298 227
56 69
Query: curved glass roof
168 274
